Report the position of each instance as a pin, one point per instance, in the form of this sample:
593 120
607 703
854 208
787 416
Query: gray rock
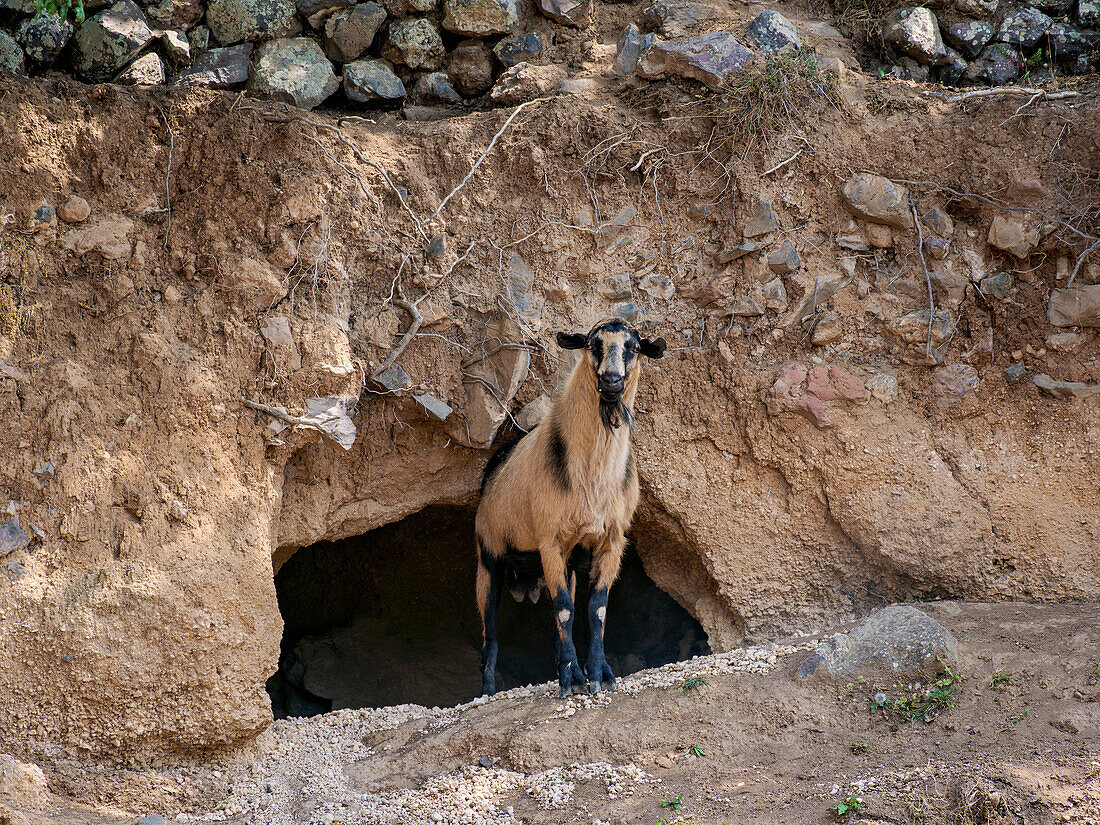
519 48
996 286
912 329
657 286
1015 372
939 222
218 68
784 260
292 70
748 306
566 12
740 250
998 65
1014 235
883 387
199 38
952 71
153 819
1068 42
763 222
368 81
772 33
1054 8
1065 389
435 87
44 36
631 45
969 36
878 199
431 405
1088 13
908 68
470 67
631 313
775 295
177 46
479 17
232 21
709 58
677 19
1023 27
147 70
16 570
414 42
175 14
1082 64
12 537
916 32
616 287
109 40
897 638
1077 306
11 55
1066 341
348 33
393 379
21 6
977 8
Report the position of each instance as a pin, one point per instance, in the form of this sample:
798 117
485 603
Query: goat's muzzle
610 386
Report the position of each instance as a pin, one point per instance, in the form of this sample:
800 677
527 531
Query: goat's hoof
569 677
488 687
600 674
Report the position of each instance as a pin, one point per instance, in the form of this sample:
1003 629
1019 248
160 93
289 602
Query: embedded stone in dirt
916 32
1023 27
232 21
996 286
147 70
22 785
470 67
631 43
435 87
882 387
784 260
1065 389
414 42
898 637
913 329
997 65
1013 235
708 58
218 68
834 383
479 17
349 33
44 36
566 12
110 237
826 331
878 199
109 40
12 537
518 48
370 80
763 222
771 33
677 19
953 383
294 71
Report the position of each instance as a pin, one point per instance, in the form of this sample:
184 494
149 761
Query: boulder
435 87
567 12
916 32
470 67
218 68
898 639
11 54
348 33
293 70
878 199
414 42
1013 235
368 81
526 82
997 65
175 14
969 36
709 58
479 17
1077 306
44 36
109 40
1023 27
147 70
232 21
772 33
519 48
677 19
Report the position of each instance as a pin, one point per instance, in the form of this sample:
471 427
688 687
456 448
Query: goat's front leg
606 561
490 578
569 667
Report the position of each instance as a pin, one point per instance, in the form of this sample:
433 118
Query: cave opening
389 617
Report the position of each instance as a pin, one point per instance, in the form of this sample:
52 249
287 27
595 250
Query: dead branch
779 166
493 391
332 157
1003 90
1081 260
927 278
410 333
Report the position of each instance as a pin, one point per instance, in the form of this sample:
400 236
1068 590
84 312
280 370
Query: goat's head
612 349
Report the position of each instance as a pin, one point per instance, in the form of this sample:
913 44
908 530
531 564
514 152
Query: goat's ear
572 340
653 349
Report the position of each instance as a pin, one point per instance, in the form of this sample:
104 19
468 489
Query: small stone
763 222
526 82
1023 27
977 8
44 36
748 306
878 199
1067 41
366 81
733 253
657 286
775 295
708 58
393 379
232 21
851 238
630 46
913 330
43 219
953 69
11 55
879 236
16 570
312 8
1066 341
953 383
177 46
432 406
199 38
12 537
784 260
826 331
631 313
1065 389
533 412
415 42
109 40
996 286
179 15
147 70
485 761
518 48
939 222
908 68
916 32
611 230
437 248
1075 306
1088 13
936 247
566 12
74 210
882 387
218 68
348 33
470 67
616 287
479 17
153 819
969 36
1015 372
1013 235
772 33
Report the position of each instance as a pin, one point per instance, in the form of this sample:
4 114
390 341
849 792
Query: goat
566 489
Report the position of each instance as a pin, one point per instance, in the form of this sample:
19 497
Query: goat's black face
613 348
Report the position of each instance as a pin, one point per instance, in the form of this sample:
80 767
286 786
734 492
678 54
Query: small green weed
695 750
676 804
923 706
1001 677
859 747
849 804
61 8
695 683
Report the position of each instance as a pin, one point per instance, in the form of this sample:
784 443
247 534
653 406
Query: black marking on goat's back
497 459
557 457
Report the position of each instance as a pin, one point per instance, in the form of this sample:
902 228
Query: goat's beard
615 413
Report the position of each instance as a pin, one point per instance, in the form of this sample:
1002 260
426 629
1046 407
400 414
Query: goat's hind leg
490 583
